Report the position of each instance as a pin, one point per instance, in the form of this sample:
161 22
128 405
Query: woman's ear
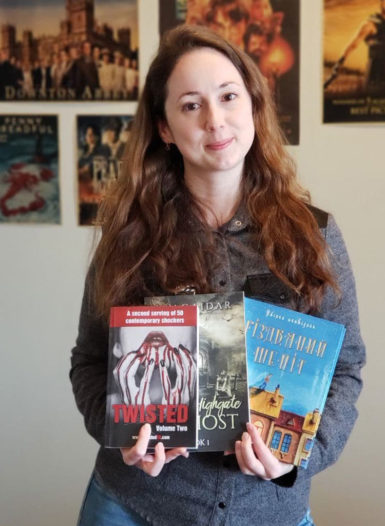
165 132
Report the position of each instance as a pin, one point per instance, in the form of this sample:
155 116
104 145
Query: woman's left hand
255 458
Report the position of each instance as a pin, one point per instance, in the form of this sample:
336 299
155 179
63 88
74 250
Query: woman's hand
151 464
255 458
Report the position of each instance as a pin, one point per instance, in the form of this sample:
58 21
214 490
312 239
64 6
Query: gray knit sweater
208 489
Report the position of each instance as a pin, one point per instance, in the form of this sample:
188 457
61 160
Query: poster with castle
68 50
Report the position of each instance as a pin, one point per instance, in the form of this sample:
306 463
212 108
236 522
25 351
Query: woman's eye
190 106
229 96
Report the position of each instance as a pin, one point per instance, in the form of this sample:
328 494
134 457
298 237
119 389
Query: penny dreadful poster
29 183
268 30
58 50
101 142
354 60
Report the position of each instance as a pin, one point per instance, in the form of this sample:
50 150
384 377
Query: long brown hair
154 238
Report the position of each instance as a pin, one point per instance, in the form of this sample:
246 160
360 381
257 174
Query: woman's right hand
150 463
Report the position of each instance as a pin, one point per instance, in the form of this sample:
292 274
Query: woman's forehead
200 68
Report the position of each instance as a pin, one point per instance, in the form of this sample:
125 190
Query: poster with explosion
354 61
29 182
66 50
101 142
268 30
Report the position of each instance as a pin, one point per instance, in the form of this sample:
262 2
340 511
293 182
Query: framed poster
29 182
68 50
268 30
101 142
354 61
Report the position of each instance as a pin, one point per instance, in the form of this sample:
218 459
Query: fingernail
245 436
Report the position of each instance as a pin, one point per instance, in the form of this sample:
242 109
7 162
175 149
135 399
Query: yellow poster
354 60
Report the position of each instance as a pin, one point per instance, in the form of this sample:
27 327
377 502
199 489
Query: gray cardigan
208 489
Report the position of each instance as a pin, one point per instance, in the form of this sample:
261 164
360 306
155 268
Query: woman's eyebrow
221 86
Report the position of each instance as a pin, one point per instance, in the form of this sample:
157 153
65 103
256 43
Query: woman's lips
219 145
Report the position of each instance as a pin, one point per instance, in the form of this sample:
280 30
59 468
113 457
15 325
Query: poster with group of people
63 50
268 30
68 50
354 60
101 143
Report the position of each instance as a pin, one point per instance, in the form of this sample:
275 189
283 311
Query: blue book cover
291 359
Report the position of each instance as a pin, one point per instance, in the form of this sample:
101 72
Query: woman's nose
213 117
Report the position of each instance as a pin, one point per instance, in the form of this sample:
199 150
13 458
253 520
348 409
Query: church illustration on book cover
290 435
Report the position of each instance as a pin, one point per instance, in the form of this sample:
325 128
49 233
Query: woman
208 198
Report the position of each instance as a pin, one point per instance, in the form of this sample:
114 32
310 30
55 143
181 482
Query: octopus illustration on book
156 373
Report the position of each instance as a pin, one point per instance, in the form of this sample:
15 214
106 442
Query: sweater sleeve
89 362
339 413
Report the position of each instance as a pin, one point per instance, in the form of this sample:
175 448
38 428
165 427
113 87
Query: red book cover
152 375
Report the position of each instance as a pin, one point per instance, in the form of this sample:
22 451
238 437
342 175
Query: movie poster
268 30
67 50
354 60
29 181
101 143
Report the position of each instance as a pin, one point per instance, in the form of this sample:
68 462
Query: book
223 395
291 359
152 375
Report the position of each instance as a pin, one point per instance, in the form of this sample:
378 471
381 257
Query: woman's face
90 137
208 113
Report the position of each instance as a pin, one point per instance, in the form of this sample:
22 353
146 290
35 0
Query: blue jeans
101 509
307 520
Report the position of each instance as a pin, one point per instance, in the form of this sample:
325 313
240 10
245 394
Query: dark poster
29 182
101 142
67 50
354 60
268 30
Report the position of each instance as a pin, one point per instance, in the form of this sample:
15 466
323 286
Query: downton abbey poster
66 50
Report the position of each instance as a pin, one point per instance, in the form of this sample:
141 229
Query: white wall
45 454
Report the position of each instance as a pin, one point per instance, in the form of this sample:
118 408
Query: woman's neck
218 195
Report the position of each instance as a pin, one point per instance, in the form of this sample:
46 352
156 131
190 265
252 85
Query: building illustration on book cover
223 395
291 360
152 375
